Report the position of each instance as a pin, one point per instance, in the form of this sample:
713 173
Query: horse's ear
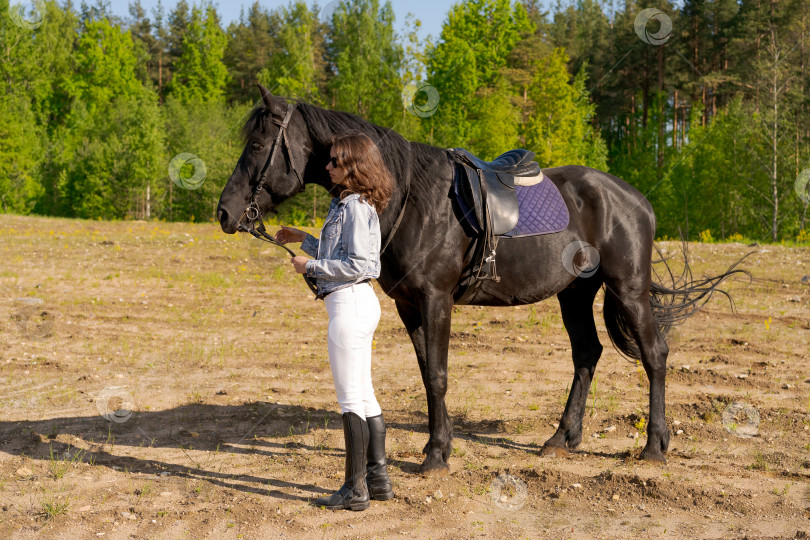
276 105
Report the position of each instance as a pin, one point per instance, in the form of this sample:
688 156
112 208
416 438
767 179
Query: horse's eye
256 146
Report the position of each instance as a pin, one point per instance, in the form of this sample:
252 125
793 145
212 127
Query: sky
432 13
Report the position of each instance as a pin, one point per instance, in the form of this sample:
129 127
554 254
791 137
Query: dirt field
169 381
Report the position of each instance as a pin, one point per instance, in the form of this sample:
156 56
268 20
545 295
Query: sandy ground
169 381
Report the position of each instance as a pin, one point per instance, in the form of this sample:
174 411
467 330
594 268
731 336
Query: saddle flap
501 201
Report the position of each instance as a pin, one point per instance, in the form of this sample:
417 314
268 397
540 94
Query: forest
702 105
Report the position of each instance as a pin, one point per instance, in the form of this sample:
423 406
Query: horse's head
268 139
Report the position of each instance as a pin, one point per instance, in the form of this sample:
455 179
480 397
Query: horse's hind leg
633 306
576 305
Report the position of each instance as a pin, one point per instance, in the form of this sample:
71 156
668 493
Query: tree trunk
662 115
774 176
675 121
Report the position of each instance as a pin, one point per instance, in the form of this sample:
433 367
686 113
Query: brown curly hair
366 173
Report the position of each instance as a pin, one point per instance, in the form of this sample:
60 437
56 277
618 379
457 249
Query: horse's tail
670 305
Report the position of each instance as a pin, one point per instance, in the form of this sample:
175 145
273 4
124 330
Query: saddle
486 190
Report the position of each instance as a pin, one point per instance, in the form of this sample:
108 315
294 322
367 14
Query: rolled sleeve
310 245
356 237
310 268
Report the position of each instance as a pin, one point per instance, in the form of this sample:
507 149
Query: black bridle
253 214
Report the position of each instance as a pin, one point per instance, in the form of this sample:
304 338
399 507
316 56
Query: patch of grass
144 491
214 281
640 372
564 397
58 466
532 319
760 462
195 397
52 506
708 417
471 466
278 273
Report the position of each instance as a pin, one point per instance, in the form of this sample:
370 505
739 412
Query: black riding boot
379 485
354 493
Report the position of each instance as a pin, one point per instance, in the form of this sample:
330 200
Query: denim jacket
349 247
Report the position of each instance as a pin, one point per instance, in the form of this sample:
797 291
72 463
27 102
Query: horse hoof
435 471
653 456
554 451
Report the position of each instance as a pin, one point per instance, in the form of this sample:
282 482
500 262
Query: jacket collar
349 197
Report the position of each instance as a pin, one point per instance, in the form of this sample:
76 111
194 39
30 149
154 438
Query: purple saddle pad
541 210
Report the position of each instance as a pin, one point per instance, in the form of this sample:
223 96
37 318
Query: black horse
421 267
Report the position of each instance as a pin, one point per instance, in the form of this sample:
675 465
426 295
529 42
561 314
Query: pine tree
251 43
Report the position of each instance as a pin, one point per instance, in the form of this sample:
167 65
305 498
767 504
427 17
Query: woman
347 257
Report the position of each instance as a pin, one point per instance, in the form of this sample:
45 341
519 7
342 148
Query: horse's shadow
255 429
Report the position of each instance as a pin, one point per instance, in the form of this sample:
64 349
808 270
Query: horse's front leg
436 311
435 381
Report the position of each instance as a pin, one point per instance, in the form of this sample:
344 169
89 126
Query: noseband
252 213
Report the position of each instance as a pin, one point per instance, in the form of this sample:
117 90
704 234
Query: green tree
251 42
106 153
297 68
19 155
365 60
209 131
466 66
106 64
558 129
200 75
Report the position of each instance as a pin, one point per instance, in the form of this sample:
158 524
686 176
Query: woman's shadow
217 430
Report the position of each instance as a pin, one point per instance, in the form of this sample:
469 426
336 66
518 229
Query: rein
253 215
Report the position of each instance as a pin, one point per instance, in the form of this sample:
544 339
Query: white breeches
354 313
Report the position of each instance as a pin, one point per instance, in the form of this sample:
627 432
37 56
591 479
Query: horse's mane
323 124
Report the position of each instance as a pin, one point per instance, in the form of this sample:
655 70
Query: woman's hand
299 263
288 234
